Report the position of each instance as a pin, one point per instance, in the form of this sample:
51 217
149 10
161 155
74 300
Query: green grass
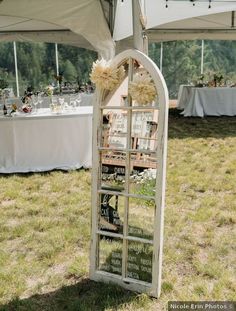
45 229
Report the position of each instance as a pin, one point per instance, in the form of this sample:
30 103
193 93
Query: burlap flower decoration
142 88
49 90
106 76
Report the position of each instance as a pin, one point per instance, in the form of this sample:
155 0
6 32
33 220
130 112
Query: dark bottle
4 110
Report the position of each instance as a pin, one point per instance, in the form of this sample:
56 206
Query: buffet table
207 101
44 140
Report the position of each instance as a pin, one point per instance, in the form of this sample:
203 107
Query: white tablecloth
205 101
46 141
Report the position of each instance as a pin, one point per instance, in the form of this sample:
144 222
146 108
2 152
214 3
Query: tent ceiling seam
232 19
211 22
13 24
32 19
36 31
175 30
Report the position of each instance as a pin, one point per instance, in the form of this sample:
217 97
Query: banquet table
207 101
45 140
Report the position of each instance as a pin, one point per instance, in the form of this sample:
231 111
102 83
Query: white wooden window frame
153 288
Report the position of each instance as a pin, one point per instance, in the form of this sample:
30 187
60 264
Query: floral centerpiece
27 101
210 79
14 108
217 78
200 81
142 88
26 108
106 76
49 90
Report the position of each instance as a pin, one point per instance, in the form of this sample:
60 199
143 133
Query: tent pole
16 70
57 62
202 57
161 56
137 27
232 19
111 16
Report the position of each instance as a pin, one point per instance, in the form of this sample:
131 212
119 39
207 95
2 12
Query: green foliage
3 84
3 79
45 229
69 72
37 64
181 61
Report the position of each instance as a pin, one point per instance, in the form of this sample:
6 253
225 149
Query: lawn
45 229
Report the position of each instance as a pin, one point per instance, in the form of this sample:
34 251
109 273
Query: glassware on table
74 104
74 101
8 104
61 101
66 106
35 102
70 102
1 107
53 104
229 83
40 100
78 99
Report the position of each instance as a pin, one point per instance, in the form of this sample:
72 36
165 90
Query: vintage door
129 164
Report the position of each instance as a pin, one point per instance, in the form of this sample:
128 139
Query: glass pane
111 212
144 130
113 168
139 265
143 170
141 161
141 218
110 255
114 129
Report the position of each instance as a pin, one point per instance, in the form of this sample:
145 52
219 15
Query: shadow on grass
85 295
43 173
185 127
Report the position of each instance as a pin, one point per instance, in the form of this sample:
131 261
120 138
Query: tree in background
31 57
7 63
37 64
181 62
220 57
81 60
70 74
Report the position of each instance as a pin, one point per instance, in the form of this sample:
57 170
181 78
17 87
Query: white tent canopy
84 23
75 22
180 20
